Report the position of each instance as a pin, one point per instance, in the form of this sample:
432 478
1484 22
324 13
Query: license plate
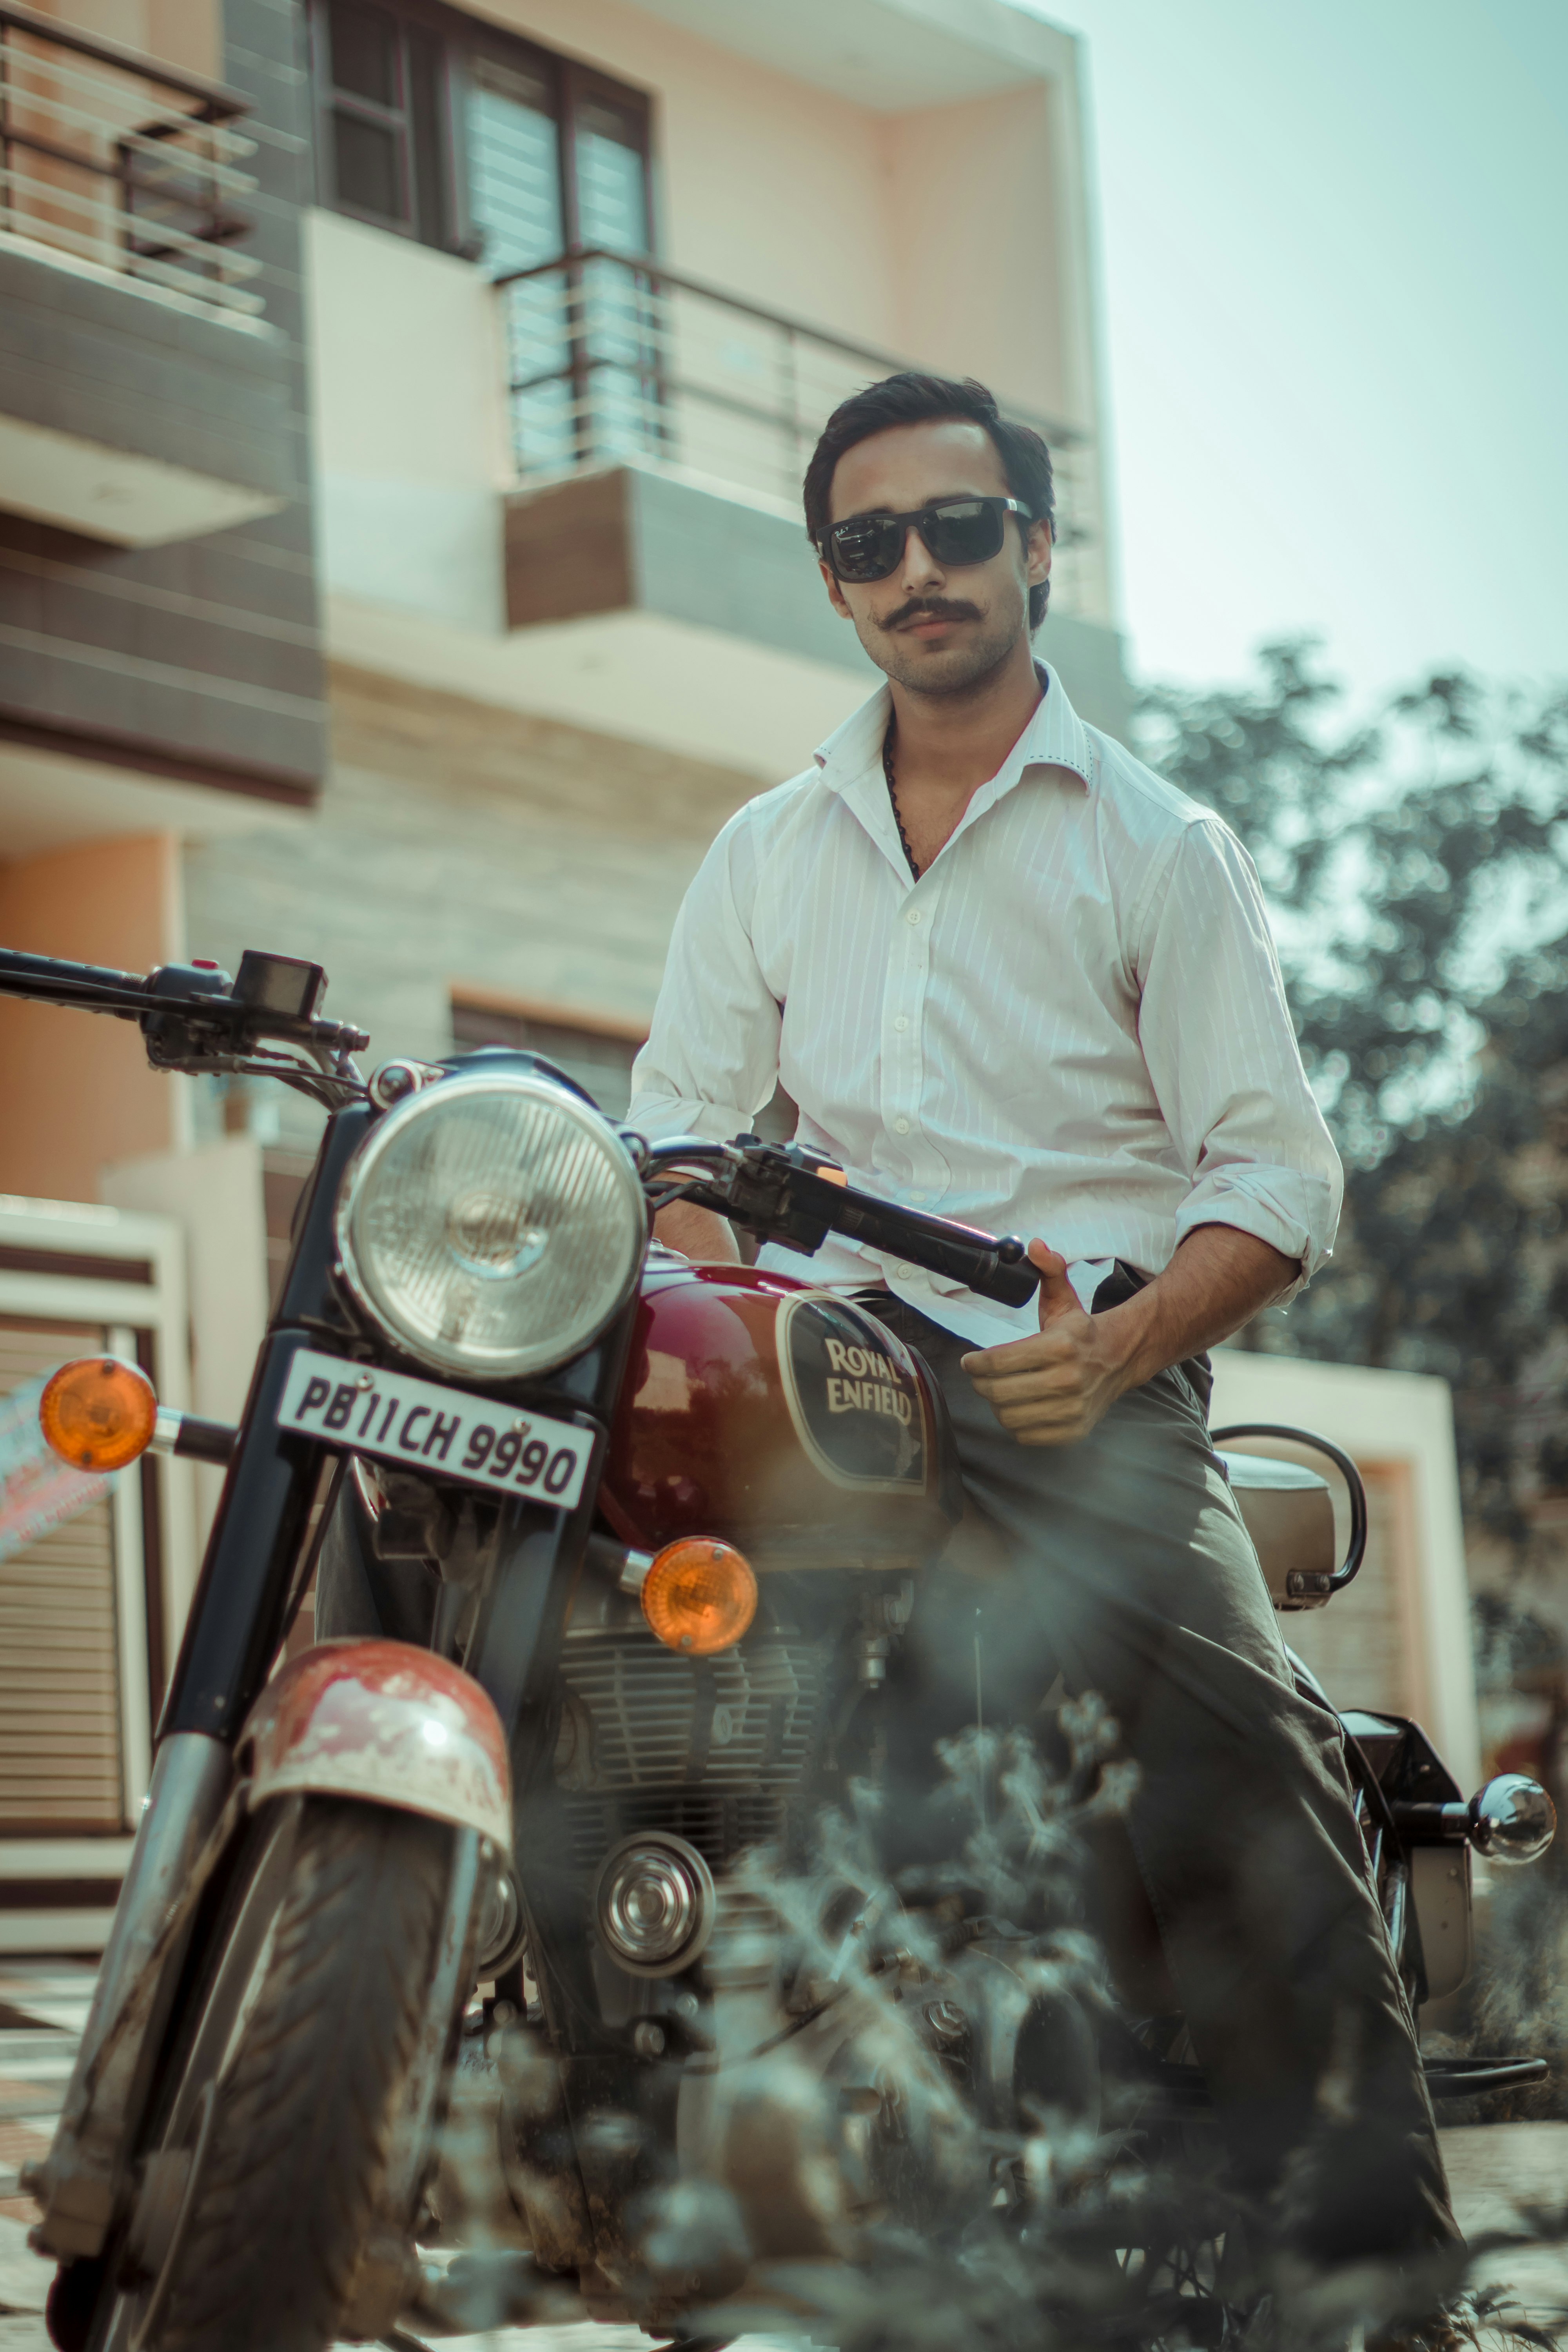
445 1431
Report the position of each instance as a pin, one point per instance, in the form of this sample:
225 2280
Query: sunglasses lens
867 547
968 530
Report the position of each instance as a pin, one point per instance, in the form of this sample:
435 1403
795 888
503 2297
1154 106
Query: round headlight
491 1226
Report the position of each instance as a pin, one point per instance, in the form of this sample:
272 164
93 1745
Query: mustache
931 608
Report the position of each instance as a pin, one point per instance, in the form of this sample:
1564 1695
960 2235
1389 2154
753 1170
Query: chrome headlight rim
679 1873
357 1277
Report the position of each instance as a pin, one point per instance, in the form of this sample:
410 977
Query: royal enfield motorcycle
670 1522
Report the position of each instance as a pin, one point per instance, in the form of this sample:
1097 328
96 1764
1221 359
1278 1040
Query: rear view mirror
1287 1510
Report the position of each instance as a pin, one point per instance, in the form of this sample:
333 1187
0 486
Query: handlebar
196 1017
784 1193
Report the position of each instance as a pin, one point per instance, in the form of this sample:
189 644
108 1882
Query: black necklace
893 796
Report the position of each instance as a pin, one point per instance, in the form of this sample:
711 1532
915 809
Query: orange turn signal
700 1595
98 1414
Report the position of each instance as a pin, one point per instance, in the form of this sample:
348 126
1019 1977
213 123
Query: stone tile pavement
1493 2171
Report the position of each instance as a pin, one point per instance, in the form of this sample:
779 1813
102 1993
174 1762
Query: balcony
123 163
617 361
572 488
160 657
659 429
123 204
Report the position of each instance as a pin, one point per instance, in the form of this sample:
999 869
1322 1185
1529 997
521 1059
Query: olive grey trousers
1126 1570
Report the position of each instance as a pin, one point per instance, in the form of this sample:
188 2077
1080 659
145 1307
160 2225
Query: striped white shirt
1072 1026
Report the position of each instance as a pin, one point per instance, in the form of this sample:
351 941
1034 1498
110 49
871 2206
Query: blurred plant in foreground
1417 869
1082 2208
954 2107
1418 872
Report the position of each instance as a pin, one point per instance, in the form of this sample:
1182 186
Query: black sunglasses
955 531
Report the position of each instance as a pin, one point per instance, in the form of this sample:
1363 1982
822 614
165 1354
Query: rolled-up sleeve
1220 1046
712 1060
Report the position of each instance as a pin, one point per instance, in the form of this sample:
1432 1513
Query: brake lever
194 1017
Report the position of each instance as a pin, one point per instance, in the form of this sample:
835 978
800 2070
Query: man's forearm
700 1234
1053 1387
1218 1279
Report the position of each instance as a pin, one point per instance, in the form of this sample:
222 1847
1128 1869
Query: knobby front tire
310 2091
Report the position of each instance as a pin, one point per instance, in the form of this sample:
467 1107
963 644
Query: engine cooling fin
710 1749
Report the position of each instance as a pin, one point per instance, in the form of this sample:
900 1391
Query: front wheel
263 2183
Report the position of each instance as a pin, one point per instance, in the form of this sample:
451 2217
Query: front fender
387 1723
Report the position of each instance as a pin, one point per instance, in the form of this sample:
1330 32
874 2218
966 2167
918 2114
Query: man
1010 976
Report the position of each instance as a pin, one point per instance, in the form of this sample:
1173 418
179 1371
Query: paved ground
1494 2170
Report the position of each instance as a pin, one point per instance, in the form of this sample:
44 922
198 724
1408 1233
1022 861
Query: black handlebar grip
1010 1278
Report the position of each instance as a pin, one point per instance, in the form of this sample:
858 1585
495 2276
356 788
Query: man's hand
1051 1389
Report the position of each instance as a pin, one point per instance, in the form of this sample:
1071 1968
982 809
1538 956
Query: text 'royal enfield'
653 1531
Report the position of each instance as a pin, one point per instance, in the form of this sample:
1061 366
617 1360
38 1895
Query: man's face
933 631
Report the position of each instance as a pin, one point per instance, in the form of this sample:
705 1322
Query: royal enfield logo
853 1394
866 1382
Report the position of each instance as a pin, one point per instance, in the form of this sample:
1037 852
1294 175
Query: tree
1418 870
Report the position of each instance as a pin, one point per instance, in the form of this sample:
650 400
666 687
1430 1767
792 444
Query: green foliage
1418 870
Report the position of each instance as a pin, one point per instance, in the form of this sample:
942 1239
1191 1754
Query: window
452 131
383 128
597 1055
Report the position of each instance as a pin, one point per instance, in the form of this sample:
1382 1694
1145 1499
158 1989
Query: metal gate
88 1611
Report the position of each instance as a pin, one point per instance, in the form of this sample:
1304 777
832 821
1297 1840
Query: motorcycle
671 1521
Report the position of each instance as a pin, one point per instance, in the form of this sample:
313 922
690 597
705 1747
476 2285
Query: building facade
402 417
402 409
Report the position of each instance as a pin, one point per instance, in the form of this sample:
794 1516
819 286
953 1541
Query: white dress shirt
1073 1025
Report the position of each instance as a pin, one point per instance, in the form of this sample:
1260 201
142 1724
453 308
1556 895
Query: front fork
186 1826
76 2183
233 1634
238 1622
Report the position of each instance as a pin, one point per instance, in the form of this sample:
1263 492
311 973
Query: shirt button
902 1125
902 1022
914 916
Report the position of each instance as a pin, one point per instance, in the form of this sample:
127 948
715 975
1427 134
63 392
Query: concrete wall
215 1196
184 32
409 422
457 842
78 1089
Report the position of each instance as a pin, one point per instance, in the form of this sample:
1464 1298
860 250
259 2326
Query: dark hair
911 399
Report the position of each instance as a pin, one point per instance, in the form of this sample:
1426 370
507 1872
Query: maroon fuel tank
786 1418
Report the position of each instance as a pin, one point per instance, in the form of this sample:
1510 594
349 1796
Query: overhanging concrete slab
645 540
117 495
883 54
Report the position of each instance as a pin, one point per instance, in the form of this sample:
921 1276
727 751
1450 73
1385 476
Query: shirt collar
1054 737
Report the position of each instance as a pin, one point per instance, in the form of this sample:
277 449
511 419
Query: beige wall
768 186
460 844
408 365
979 290
187 33
214 1197
78 1091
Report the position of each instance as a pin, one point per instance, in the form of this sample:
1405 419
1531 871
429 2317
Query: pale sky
1335 304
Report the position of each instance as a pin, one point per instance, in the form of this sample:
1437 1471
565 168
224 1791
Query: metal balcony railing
115 159
610 355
